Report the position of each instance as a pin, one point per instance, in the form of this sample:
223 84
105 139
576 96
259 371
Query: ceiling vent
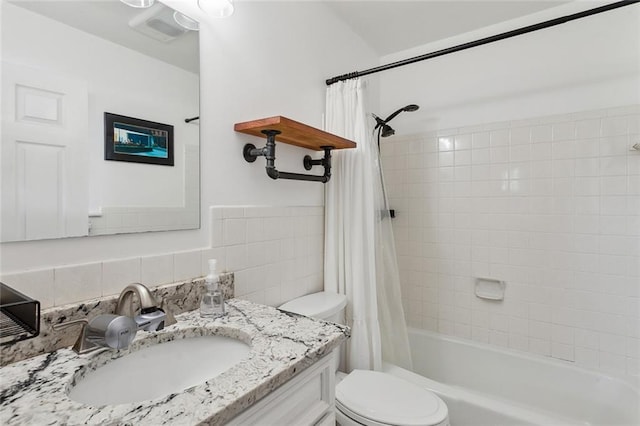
157 22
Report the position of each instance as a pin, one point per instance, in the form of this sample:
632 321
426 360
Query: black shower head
408 108
386 129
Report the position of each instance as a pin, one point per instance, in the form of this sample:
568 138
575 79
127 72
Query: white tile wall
61 285
75 283
276 253
36 284
117 274
551 205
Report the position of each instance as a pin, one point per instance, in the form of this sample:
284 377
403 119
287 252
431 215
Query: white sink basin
159 370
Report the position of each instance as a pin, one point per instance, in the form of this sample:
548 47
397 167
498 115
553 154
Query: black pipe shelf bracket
250 153
294 133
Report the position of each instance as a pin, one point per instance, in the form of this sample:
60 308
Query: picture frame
138 141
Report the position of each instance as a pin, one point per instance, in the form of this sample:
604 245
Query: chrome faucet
152 317
103 331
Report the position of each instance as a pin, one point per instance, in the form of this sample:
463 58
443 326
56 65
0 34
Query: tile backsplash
275 252
174 298
551 205
66 284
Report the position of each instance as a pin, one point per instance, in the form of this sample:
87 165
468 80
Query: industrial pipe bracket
250 153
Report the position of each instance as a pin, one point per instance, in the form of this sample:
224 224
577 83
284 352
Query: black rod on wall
486 40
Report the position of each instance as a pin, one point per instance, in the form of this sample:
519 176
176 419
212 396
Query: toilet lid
383 398
317 305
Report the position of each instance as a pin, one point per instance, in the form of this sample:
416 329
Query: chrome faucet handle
170 319
112 331
69 324
81 345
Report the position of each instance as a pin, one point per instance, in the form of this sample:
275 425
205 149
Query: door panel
44 155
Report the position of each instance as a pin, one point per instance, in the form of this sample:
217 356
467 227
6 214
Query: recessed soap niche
490 289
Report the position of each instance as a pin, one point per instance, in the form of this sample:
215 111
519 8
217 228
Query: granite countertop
34 391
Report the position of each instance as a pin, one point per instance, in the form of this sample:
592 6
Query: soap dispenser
212 304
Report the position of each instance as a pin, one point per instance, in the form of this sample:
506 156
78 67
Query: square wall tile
462 142
499 137
237 257
612 126
564 131
255 230
76 283
38 285
117 274
520 135
480 140
213 253
588 128
188 265
234 231
541 134
156 270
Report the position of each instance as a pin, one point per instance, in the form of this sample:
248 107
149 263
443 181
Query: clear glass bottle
212 303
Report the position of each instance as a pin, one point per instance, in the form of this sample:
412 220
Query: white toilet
371 398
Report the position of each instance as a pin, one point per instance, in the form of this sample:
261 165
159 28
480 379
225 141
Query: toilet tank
322 305
326 306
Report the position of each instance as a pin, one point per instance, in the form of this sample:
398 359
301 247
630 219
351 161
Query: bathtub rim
632 382
517 412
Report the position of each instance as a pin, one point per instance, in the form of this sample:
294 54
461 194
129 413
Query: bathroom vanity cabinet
307 399
286 378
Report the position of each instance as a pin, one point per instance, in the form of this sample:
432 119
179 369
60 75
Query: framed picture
138 141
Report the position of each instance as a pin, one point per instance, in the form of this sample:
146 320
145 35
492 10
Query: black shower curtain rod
486 40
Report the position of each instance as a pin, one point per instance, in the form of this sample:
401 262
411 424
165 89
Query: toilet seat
373 398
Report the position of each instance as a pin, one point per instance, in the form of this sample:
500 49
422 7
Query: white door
44 155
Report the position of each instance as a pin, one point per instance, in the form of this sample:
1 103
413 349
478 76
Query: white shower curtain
360 257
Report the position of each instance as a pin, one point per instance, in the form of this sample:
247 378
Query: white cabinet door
306 400
44 155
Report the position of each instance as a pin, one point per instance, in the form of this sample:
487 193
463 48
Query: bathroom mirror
66 65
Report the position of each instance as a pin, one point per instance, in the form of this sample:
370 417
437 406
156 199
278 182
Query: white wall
520 169
267 59
270 58
585 64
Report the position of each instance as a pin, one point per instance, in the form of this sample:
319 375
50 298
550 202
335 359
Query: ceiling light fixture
185 22
138 3
217 8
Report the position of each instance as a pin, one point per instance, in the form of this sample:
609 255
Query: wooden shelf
294 133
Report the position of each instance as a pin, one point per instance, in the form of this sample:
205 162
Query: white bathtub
483 385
